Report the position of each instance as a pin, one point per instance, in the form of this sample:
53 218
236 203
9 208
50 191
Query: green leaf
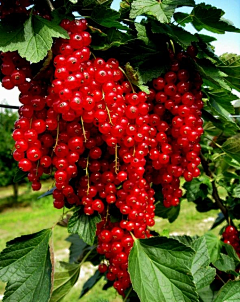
107 17
76 248
159 270
163 10
65 276
83 225
170 213
33 39
229 292
225 264
91 282
20 175
202 273
214 245
231 66
209 17
25 265
73 1
232 147
39 34
182 18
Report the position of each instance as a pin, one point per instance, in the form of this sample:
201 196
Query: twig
87 174
215 194
9 106
49 3
127 295
56 143
83 129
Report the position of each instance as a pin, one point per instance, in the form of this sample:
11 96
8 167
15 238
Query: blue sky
229 42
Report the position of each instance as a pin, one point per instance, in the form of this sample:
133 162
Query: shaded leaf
83 225
91 282
49 192
26 267
107 17
182 18
76 248
170 213
176 33
159 270
220 218
20 175
65 276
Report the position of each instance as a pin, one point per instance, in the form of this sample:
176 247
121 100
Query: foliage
161 268
8 166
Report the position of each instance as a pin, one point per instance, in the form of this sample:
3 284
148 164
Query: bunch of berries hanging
104 142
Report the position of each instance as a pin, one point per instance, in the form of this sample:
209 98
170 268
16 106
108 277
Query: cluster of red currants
176 125
231 236
10 7
105 141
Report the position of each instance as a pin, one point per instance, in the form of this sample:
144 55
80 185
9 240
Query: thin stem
116 160
127 295
37 167
87 174
134 150
57 133
127 78
220 278
9 106
49 3
109 115
85 257
172 44
107 214
93 55
108 111
215 194
83 129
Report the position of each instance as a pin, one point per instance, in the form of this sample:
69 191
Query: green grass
30 215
